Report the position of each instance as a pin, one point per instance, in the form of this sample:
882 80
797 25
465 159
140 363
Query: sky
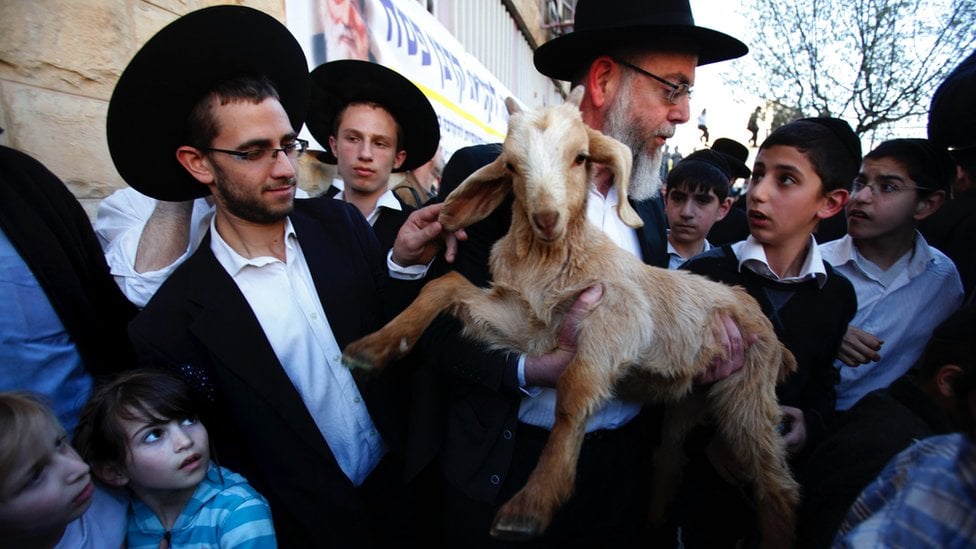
727 109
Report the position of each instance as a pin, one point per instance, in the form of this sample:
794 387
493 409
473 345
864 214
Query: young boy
47 497
905 288
696 197
801 176
141 432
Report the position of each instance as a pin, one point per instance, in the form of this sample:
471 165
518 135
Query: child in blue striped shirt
141 432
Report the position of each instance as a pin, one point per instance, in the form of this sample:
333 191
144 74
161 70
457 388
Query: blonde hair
23 416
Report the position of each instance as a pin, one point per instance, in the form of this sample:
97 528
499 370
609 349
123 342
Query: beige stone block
75 46
65 132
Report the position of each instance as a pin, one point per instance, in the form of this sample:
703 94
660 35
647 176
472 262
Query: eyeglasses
292 151
882 188
678 91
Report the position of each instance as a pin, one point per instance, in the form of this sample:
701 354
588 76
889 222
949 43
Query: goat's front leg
395 340
580 390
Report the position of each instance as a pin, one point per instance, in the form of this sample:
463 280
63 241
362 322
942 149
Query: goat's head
547 160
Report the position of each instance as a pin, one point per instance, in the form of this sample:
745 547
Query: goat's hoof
517 528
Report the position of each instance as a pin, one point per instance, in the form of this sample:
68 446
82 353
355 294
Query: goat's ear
477 196
617 156
512 105
576 96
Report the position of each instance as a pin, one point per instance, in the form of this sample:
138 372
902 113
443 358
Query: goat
647 336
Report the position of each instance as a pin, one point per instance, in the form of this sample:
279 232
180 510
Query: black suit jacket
199 325
483 399
52 233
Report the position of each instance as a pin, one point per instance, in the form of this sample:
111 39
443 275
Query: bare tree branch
872 62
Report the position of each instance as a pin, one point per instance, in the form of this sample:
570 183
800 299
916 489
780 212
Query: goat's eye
580 159
509 167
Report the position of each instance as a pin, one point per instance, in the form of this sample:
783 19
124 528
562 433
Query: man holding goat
636 62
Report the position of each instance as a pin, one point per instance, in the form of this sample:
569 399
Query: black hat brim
562 57
338 83
176 68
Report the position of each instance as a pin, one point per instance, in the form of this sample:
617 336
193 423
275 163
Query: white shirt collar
386 200
844 251
752 255
234 262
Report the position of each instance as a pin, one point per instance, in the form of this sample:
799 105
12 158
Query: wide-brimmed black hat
601 26
338 83
735 154
175 69
952 115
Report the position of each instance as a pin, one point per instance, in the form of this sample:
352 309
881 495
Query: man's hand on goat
544 371
795 437
735 351
422 236
859 347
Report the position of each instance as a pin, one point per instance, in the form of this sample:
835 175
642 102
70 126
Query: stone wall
59 61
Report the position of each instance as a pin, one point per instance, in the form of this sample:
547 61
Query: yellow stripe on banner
457 110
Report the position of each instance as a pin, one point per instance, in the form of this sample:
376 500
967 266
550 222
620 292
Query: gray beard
645 176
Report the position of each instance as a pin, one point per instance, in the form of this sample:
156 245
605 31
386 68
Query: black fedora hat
338 83
603 25
176 68
952 115
735 153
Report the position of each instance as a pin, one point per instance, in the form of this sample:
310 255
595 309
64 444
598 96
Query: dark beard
245 207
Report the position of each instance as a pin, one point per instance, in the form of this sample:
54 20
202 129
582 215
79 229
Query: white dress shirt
539 406
283 298
901 306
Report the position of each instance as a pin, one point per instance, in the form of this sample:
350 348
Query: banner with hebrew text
400 34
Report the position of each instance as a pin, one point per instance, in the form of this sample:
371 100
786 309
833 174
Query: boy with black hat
801 176
696 196
256 318
373 122
636 61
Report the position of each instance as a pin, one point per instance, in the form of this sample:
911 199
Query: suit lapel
227 327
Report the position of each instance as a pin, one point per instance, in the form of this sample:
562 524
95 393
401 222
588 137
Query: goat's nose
545 221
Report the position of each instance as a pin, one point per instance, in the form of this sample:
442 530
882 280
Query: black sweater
809 320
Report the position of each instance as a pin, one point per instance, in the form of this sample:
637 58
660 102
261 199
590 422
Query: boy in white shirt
904 287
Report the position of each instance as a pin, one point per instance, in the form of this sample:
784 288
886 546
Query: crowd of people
173 374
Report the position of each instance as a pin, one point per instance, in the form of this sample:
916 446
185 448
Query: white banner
399 34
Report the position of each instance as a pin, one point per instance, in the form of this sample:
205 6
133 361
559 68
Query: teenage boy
373 122
696 197
801 176
905 288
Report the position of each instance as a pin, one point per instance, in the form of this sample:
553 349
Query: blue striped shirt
901 307
221 513
925 497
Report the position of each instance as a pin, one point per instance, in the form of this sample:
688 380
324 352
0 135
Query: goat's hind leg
580 391
747 415
395 340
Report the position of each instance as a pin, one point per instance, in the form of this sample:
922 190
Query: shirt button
495 480
506 434
356 400
372 432
336 358
315 316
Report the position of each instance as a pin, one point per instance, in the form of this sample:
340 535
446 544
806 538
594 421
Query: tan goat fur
651 333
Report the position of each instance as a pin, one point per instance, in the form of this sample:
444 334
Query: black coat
52 233
199 325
